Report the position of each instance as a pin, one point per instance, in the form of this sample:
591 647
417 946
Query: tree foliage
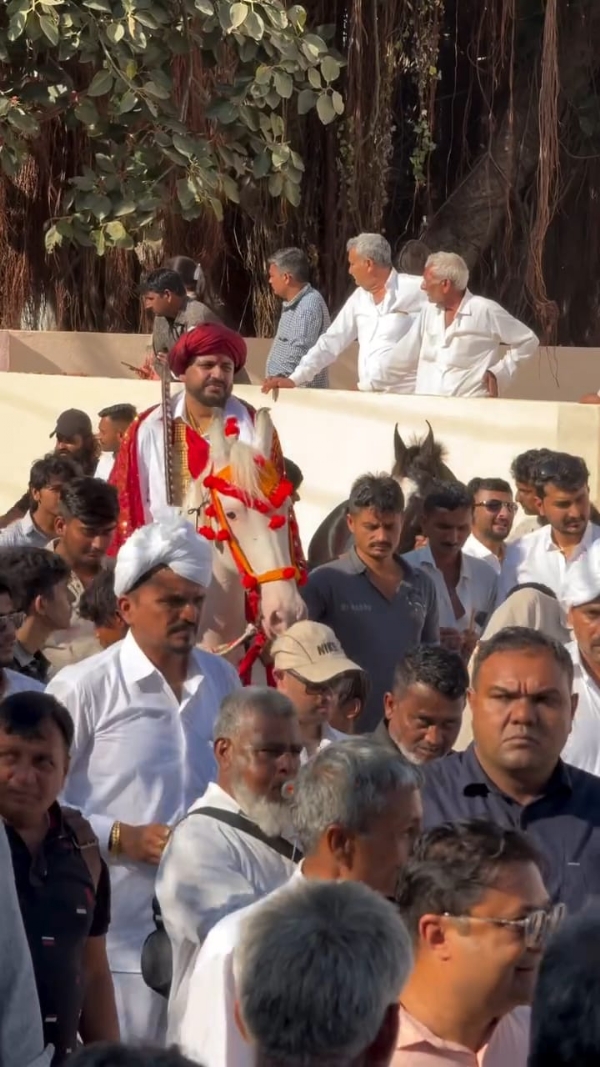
177 103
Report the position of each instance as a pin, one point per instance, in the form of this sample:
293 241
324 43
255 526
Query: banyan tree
131 130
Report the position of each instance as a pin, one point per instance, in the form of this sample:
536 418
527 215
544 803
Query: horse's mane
245 472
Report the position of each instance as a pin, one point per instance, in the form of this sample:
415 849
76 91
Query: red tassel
205 531
210 511
232 428
281 493
210 481
223 535
288 573
277 521
249 581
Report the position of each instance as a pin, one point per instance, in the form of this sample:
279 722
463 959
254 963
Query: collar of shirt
137 667
297 298
359 567
413 1034
216 797
474 781
21 655
549 545
425 556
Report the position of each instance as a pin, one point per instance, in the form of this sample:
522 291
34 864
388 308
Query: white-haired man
356 812
236 853
581 598
349 954
459 336
378 315
144 711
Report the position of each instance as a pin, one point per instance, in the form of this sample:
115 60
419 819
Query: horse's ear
428 447
219 444
399 452
263 433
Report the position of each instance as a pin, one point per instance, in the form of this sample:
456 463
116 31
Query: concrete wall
333 436
552 374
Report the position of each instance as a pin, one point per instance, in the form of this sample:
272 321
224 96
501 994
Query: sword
167 417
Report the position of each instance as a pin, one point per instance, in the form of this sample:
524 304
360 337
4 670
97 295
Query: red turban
210 340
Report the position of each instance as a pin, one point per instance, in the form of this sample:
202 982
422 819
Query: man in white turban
581 599
143 711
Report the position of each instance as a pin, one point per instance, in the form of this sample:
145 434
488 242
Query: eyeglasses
495 506
13 620
314 689
535 929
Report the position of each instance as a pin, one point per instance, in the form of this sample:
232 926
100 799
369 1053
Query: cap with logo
72 423
311 650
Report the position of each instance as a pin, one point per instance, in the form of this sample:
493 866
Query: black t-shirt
60 910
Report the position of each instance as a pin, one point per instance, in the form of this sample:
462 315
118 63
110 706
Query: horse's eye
230 515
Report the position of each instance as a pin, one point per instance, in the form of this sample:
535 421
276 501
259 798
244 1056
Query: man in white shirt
581 598
357 812
493 515
459 336
378 315
563 499
309 662
466 587
210 868
114 423
144 710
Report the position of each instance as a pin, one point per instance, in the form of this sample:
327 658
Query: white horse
244 507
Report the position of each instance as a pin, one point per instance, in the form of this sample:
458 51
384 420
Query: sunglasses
535 929
13 620
314 689
495 506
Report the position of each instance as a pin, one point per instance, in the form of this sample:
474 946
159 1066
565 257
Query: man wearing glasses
473 898
493 515
11 621
523 705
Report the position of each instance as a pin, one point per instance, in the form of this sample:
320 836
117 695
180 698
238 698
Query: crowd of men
363 864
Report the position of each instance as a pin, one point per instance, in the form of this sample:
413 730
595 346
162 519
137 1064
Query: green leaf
23 122
217 207
17 25
292 193
115 230
157 91
313 46
237 14
127 102
284 84
205 7
276 184
86 112
49 28
254 26
261 165
263 75
297 17
325 109
115 32
101 83
314 78
124 207
105 163
306 100
338 102
99 5
100 206
330 69
52 239
97 237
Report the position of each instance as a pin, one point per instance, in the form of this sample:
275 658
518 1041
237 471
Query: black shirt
60 910
564 823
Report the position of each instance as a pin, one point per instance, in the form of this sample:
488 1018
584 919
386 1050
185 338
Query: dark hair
412 257
52 468
24 713
91 500
32 572
565 1022
104 1054
122 413
521 639
449 496
521 468
490 485
6 589
98 603
452 866
161 280
436 667
352 685
194 279
293 473
545 589
292 261
378 491
562 470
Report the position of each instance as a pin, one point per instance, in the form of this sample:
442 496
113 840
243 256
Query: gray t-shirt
375 632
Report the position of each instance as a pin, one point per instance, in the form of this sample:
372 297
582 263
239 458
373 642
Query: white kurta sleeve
330 345
521 342
209 1034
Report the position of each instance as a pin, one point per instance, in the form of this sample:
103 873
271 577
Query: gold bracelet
114 841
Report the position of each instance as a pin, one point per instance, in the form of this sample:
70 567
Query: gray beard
273 817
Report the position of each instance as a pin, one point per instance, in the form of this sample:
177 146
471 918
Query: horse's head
416 466
244 507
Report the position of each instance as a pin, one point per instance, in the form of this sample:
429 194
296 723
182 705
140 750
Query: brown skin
163 615
8 631
376 537
111 632
343 717
83 547
166 304
264 754
469 974
585 621
111 434
283 284
446 533
423 723
523 712
493 529
527 498
47 507
69 446
568 513
46 614
208 385
376 856
590 398
312 703
446 295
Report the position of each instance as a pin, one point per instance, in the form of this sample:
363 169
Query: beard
211 400
273 817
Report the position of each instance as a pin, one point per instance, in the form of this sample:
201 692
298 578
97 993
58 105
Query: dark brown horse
416 466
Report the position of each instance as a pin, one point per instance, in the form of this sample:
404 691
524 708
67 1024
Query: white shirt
15 682
208 870
383 365
151 450
23 532
104 466
209 1034
454 360
477 589
536 558
140 757
474 547
583 746
327 737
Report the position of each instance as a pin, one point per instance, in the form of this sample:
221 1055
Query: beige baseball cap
311 650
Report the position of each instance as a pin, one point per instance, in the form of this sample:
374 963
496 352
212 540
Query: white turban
582 580
172 542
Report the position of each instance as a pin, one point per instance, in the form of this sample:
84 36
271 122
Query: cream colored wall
333 436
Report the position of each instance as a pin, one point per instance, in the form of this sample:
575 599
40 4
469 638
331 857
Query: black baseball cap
72 423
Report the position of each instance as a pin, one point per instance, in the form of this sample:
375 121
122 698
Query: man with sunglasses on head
473 898
493 515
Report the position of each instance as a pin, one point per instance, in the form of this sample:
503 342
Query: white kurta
454 360
583 747
104 466
140 757
536 558
383 365
151 450
474 547
208 870
209 1034
477 589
